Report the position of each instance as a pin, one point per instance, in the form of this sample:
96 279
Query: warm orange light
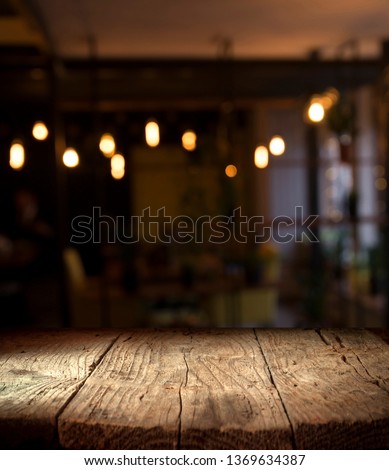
189 140
118 162
316 111
332 94
70 158
277 145
16 155
231 171
152 134
118 173
107 145
40 131
261 157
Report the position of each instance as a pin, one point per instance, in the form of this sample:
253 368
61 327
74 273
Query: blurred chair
94 303
83 292
258 306
244 307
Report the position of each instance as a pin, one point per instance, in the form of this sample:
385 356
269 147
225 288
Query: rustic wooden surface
39 374
228 399
331 399
204 389
132 400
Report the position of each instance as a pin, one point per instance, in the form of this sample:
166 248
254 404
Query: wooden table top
200 389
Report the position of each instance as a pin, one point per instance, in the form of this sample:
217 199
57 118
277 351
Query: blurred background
278 109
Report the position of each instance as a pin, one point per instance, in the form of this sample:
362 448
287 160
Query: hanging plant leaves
341 117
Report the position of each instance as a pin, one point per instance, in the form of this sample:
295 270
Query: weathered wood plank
330 404
367 353
228 399
381 333
132 400
39 374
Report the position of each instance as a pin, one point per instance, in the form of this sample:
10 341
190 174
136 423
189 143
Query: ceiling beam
133 84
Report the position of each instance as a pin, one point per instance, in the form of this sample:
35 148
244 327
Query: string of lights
107 146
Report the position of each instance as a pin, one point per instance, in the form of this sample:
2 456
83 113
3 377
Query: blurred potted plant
341 120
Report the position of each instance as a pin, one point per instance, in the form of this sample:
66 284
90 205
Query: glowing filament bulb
117 166
16 155
107 145
40 131
231 171
189 139
118 162
152 134
316 112
118 173
277 145
261 157
70 158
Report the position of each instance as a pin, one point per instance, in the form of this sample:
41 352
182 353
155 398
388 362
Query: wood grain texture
331 403
228 399
367 353
132 400
381 333
202 389
39 374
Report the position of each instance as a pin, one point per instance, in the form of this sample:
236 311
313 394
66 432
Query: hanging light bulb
277 146
117 166
261 157
231 171
16 155
40 131
107 145
118 173
316 110
70 158
189 140
152 134
118 162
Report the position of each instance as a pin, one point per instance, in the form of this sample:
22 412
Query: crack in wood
180 398
91 369
346 361
322 337
273 387
374 380
187 371
293 437
343 356
339 341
